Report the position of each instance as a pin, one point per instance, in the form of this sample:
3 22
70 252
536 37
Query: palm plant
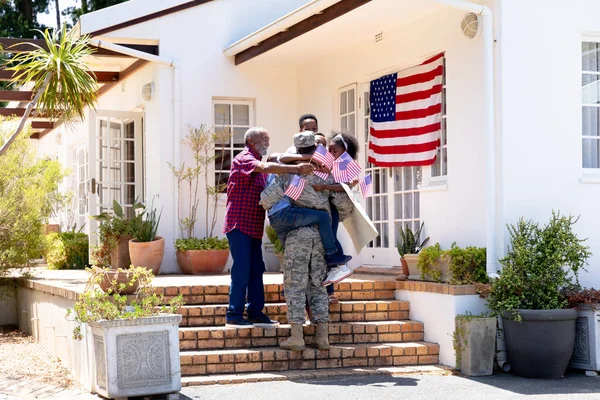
63 85
410 242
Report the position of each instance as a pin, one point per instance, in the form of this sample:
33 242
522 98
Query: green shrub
68 250
27 185
541 263
467 266
212 243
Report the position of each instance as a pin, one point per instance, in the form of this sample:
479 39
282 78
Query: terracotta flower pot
147 254
119 256
202 262
121 277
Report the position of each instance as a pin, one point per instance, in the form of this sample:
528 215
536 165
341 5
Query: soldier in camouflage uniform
304 255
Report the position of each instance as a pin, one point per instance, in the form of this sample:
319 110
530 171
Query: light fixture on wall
470 25
148 91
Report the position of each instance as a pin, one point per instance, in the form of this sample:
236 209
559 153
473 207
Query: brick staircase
369 328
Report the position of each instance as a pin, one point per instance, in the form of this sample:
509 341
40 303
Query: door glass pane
385 239
384 208
351 123
344 123
408 206
367 104
590 56
397 179
241 114
591 119
408 178
398 206
343 103
591 153
417 200
351 100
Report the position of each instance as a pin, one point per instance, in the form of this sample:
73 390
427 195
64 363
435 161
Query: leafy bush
541 263
428 262
410 243
94 304
113 227
467 266
578 297
68 250
274 238
212 243
26 187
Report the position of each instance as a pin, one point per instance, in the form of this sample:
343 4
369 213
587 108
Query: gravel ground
23 358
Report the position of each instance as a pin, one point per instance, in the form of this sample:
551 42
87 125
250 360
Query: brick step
345 311
206 362
219 294
204 338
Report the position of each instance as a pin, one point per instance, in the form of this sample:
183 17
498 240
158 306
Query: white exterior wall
541 116
455 213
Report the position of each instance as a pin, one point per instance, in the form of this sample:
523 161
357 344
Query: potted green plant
135 339
409 246
275 247
114 234
457 266
586 352
209 254
529 295
145 248
474 342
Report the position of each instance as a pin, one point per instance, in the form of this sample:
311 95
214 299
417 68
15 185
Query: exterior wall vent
378 37
123 87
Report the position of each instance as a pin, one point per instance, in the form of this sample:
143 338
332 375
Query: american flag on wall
295 187
406 112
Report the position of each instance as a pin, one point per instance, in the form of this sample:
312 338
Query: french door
115 149
395 202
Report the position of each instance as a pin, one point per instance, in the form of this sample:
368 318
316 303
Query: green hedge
68 250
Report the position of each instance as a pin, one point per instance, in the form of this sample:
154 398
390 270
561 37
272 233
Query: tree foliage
18 18
88 6
26 187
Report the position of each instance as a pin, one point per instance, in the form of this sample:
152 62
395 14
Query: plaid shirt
243 194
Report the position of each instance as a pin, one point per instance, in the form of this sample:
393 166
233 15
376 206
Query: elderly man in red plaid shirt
244 227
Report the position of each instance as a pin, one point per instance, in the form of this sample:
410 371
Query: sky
50 19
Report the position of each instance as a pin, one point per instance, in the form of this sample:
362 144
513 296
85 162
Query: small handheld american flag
345 169
322 156
322 175
295 187
366 186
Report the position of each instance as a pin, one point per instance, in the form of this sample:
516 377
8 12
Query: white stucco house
521 130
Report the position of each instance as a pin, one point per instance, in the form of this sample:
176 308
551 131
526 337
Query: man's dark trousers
246 275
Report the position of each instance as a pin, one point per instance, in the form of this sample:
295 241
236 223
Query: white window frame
231 101
590 175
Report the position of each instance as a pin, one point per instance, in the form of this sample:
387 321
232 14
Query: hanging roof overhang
109 68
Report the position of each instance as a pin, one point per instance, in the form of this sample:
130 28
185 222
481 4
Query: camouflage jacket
310 198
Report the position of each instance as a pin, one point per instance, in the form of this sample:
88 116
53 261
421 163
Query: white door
115 163
396 199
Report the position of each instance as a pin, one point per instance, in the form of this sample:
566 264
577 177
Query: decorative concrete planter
136 357
442 264
541 345
477 345
202 262
586 352
147 254
271 261
411 262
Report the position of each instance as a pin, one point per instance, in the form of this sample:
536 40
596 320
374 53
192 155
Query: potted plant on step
135 340
145 248
209 254
274 247
586 352
529 295
474 342
409 246
114 234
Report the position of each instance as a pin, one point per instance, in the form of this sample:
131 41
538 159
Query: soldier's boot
296 341
321 340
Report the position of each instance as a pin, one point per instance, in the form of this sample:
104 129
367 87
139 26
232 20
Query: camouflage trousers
304 272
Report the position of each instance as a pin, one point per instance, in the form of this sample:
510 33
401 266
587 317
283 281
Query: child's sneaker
337 274
337 259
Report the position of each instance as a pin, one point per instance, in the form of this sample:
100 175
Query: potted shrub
209 254
274 247
145 248
586 351
409 246
134 339
474 342
114 234
529 295
456 266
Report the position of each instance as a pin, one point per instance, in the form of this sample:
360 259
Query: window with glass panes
348 109
232 118
590 101
440 167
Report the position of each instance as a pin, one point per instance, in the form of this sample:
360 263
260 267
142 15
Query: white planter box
586 353
136 357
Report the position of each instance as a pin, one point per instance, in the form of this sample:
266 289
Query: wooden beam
123 75
12 45
149 17
43 133
307 25
35 135
101 76
15 95
42 125
18 112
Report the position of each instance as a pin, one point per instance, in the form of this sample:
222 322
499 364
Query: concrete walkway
21 389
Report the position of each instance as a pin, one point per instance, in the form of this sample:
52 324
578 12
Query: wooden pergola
109 68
